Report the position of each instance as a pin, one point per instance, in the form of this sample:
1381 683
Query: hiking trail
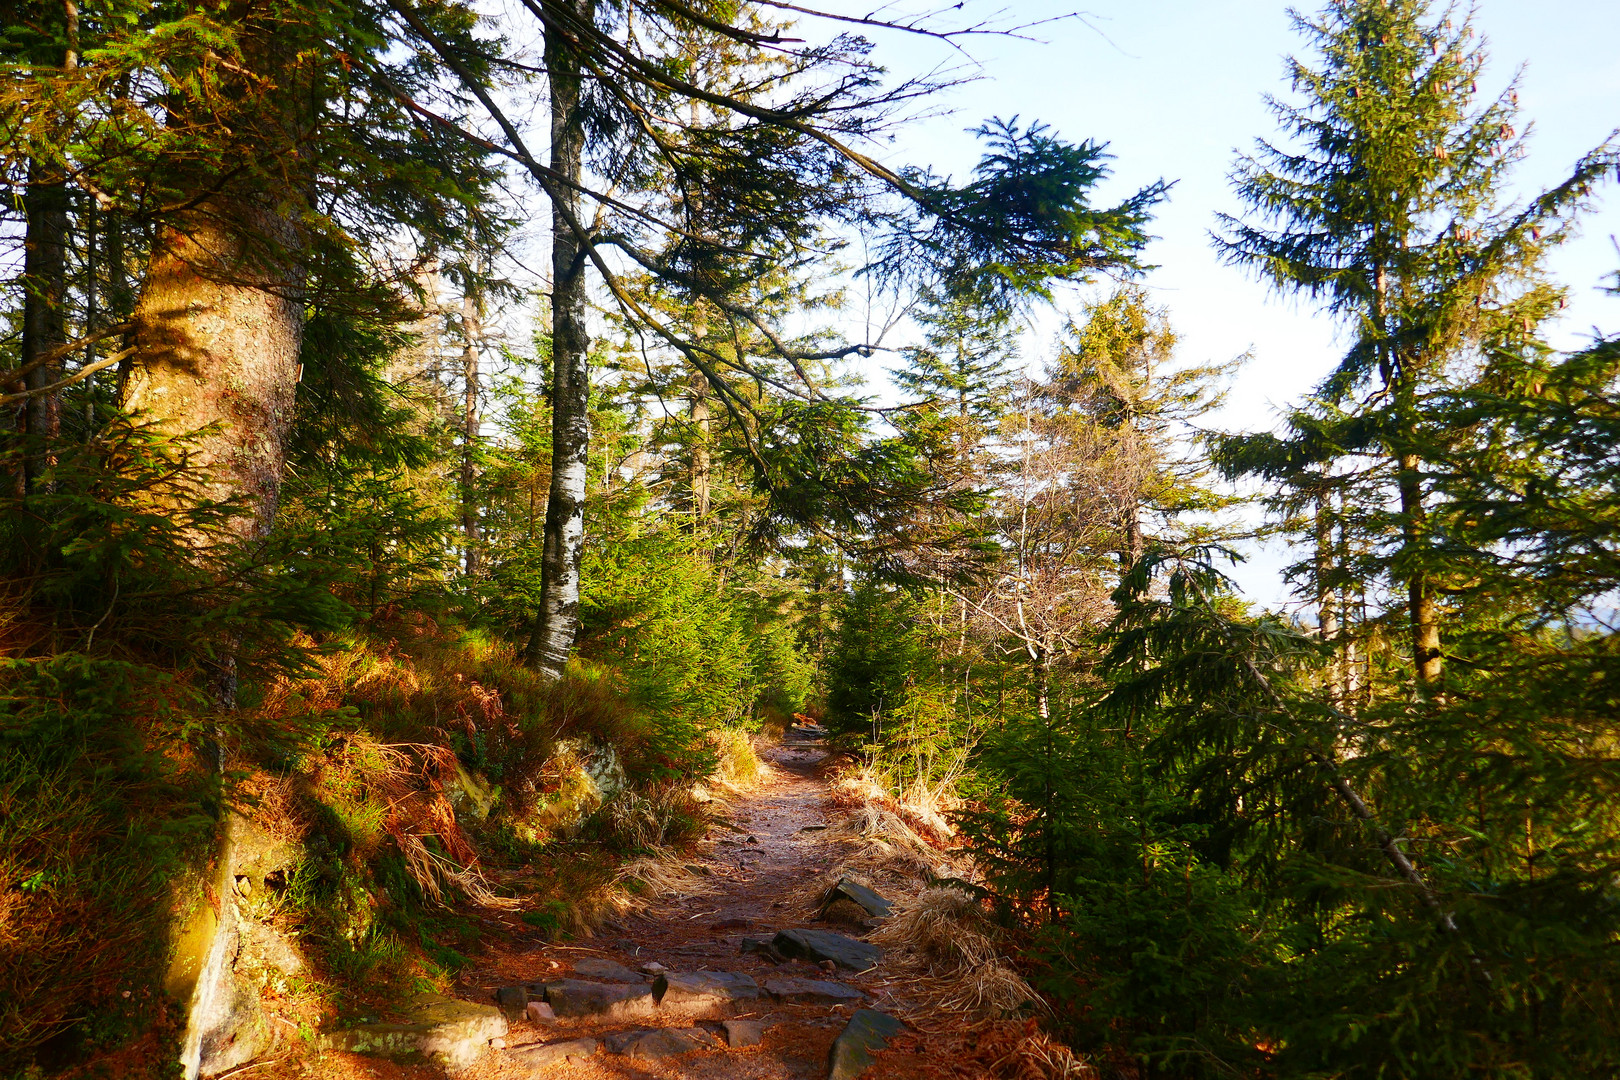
701 985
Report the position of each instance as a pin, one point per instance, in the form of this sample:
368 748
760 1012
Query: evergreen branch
61 351
77 377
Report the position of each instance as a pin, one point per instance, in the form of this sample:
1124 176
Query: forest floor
769 859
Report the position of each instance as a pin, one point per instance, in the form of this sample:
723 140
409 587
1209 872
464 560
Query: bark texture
45 206
472 329
557 623
218 328
1423 611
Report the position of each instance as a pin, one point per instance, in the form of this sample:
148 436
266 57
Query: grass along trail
697 983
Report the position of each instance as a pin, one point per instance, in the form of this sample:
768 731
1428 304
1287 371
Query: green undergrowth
408 784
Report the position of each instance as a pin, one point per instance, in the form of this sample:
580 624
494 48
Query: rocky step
693 993
653 1044
794 991
703 989
444 1030
817 946
575 998
856 1047
646 1044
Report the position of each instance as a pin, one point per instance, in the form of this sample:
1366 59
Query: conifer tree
1388 207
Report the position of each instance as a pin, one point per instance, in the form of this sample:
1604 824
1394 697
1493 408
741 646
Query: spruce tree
1388 207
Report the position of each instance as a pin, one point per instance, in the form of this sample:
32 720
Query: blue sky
1175 86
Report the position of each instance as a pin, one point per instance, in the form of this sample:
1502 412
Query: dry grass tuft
882 838
739 769
944 928
944 934
665 876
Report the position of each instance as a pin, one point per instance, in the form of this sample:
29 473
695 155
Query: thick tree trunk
472 329
218 329
558 622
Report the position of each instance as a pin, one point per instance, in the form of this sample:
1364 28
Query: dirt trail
765 871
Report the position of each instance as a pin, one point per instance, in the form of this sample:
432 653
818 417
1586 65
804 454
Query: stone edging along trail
742 981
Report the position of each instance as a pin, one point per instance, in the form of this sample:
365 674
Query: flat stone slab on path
606 971
451 1032
859 895
812 992
615 1001
819 945
867 1032
654 1043
544 1057
512 1000
743 1032
703 989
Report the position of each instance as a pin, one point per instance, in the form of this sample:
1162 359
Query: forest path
766 867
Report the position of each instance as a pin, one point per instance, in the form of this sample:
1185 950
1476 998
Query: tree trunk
45 207
472 329
1043 685
45 213
1423 614
702 466
218 329
558 622
1327 600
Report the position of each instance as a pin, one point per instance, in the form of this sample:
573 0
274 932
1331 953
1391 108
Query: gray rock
858 894
540 1012
543 1057
762 948
511 1000
819 945
866 1033
741 1033
812 992
450 1032
614 1001
655 1043
841 912
267 948
703 989
607 971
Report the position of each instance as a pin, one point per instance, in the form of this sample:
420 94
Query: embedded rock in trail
703 989
615 1001
812 992
819 945
654 1043
866 1033
539 1012
762 948
607 971
859 895
741 1033
512 1001
450 1032
544 1057
842 912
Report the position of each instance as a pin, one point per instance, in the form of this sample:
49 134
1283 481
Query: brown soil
766 865
765 869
